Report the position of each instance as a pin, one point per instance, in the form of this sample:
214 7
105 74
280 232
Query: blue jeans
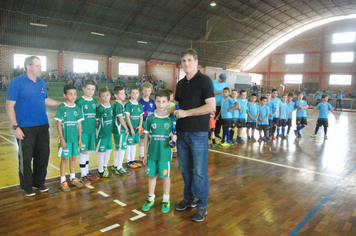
193 150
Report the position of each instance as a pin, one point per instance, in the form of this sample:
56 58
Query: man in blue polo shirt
26 108
219 84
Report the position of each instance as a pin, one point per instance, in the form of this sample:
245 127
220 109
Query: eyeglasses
37 66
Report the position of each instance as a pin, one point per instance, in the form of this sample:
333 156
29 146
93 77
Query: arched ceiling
228 35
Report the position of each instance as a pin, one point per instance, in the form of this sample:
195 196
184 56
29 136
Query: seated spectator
17 71
103 77
65 75
78 84
122 81
115 80
353 94
5 83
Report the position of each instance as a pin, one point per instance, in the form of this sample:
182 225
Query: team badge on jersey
138 109
42 90
151 105
94 106
75 113
86 107
105 115
166 126
154 126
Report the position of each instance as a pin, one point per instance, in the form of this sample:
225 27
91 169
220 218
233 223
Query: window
344 37
294 59
82 66
256 78
293 79
19 60
342 57
128 69
340 79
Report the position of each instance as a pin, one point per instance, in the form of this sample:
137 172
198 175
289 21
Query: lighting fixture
143 42
213 4
38 24
96 33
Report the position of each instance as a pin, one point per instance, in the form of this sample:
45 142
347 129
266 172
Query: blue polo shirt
263 112
301 112
323 110
277 104
243 105
291 107
30 108
226 104
339 95
252 109
285 108
217 88
318 94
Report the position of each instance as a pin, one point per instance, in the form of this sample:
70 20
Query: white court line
276 164
103 194
89 186
110 228
120 203
14 143
139 215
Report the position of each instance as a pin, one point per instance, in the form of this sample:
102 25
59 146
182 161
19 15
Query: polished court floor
287 187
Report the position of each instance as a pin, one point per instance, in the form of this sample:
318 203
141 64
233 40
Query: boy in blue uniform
252 117
323 108
276 110
283 117
329 92
302 107
291 107
227 105
339 98
263 123
318 94
234 115
241 121
271 105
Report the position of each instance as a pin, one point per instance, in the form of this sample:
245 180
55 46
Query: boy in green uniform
158 153
69 127
134 118
104 116
87 104
119 130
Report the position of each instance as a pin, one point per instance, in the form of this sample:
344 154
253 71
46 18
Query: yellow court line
277 164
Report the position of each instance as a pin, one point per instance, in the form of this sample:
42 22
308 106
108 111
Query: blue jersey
243 105
235 114
329 92
285 109
291 107
226 104
323 110
263 112
318 94
217 88
271 106
278 103
339 95
304 93
301 112
148 107
252 109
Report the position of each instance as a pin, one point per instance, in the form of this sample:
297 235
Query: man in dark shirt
196 98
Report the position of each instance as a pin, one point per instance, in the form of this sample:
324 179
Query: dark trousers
35 145
217 122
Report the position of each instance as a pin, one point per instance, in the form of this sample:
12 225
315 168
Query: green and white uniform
117 129
69 116
88 108
135 111
104 117
159 129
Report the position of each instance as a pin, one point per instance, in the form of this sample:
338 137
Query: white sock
133 152
128 151
116 158
101 162
142 151
82 164
87 163
151 197
120 159
107 157
63 178
166 198
71 176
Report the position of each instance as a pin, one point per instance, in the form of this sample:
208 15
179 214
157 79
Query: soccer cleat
41 188
85 180
184 205
253 139
113 167
248 138
299 135
29 192
76 182
226 144
122 171
137 163
215 145
90 176
273 137
141 159
166 206
240 140
325 137
260 139
199 215
313 136
64 186
284 137
233 141
147 205
131 165
106 173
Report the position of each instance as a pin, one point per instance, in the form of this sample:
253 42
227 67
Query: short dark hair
189 51
29 60
242 91
118 88
103 90
234 90
169 91
290 95
89 82
226 88
134 88
263 97
274 90
162 93
324 96
68 87
253 95
299 93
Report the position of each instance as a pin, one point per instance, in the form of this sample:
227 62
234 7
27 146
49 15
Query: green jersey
118 110
159 129
88 108
69 116
104 118
136 111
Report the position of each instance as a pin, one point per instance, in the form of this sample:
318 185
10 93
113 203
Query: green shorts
120 141
133 140
70 150
162 168
88 141
103 144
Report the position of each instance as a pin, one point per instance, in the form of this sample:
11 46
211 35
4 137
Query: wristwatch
14 127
